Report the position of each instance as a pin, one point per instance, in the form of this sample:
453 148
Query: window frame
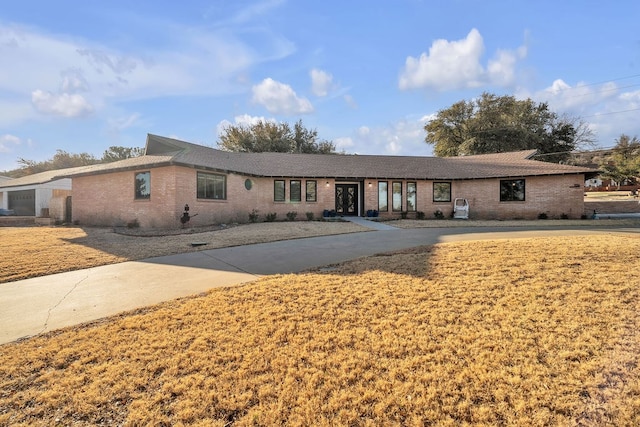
384 208
137 194
275 190
438 183
314 193
297 182
412 196
509 184
214 176
394 207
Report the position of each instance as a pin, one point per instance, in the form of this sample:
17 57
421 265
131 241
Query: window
396 188
411 196
278 190
383 200
441 191
312 191
212 186
295 188
512 190
143 185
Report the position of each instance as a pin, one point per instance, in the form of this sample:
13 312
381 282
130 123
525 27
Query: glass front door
347 199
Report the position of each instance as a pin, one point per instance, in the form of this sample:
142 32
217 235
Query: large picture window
441 191
212 186
278 190
143 185
397 196
295 187
383 196
411 196
512 190
312 191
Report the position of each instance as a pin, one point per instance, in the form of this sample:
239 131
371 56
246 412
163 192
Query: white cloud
51 68
403 137
243 120
8 142
321 82
350 101
344 144
279 98
64 104
122 123
457 64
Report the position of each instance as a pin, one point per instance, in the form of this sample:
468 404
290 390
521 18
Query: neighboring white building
40 195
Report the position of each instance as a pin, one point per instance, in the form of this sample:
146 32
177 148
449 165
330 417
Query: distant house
39 195
223 187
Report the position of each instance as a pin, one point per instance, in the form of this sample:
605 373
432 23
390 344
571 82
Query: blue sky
81 76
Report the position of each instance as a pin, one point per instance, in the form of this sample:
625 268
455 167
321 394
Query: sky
81 76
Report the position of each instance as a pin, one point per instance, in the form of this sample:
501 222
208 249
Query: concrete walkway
33 306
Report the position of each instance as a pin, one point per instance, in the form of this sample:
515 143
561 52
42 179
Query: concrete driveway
33 306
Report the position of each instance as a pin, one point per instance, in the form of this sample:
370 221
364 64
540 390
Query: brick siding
108 199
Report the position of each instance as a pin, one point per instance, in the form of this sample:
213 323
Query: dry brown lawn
38 251
528 332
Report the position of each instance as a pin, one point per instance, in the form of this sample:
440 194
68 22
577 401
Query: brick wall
108 199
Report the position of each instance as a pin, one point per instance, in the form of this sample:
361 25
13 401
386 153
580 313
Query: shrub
253 216
270 217
542 215
419 215
309 216
404 214
291 216
564 216
133 224
438 214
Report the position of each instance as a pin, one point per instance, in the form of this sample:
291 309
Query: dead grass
38 251
523 332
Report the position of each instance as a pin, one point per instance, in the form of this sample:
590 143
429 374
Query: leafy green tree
624 162
494 124
274 137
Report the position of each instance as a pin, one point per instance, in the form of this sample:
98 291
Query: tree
274 137
63 160
494 124
115 153
624 162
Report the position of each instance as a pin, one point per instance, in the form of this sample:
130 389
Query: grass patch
521 332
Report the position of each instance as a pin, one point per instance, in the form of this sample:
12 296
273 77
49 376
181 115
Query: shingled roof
162 151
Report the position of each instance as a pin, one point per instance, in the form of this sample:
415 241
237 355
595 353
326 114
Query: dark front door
347 199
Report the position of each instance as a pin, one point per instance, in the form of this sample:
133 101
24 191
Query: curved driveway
33 306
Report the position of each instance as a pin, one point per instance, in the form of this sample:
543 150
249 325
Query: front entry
347 199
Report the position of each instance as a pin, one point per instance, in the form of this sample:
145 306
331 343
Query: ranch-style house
223 187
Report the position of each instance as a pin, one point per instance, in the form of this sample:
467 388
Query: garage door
23 202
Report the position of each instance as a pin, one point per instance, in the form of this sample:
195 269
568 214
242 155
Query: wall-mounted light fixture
370 185
327 184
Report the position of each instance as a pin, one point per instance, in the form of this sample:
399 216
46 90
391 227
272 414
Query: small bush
253 216
564 216
438 214
419 215
542 215
404 214
133 224
309 216
291 216
270 217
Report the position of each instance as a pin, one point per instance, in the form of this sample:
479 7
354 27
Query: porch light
327 184
370 185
